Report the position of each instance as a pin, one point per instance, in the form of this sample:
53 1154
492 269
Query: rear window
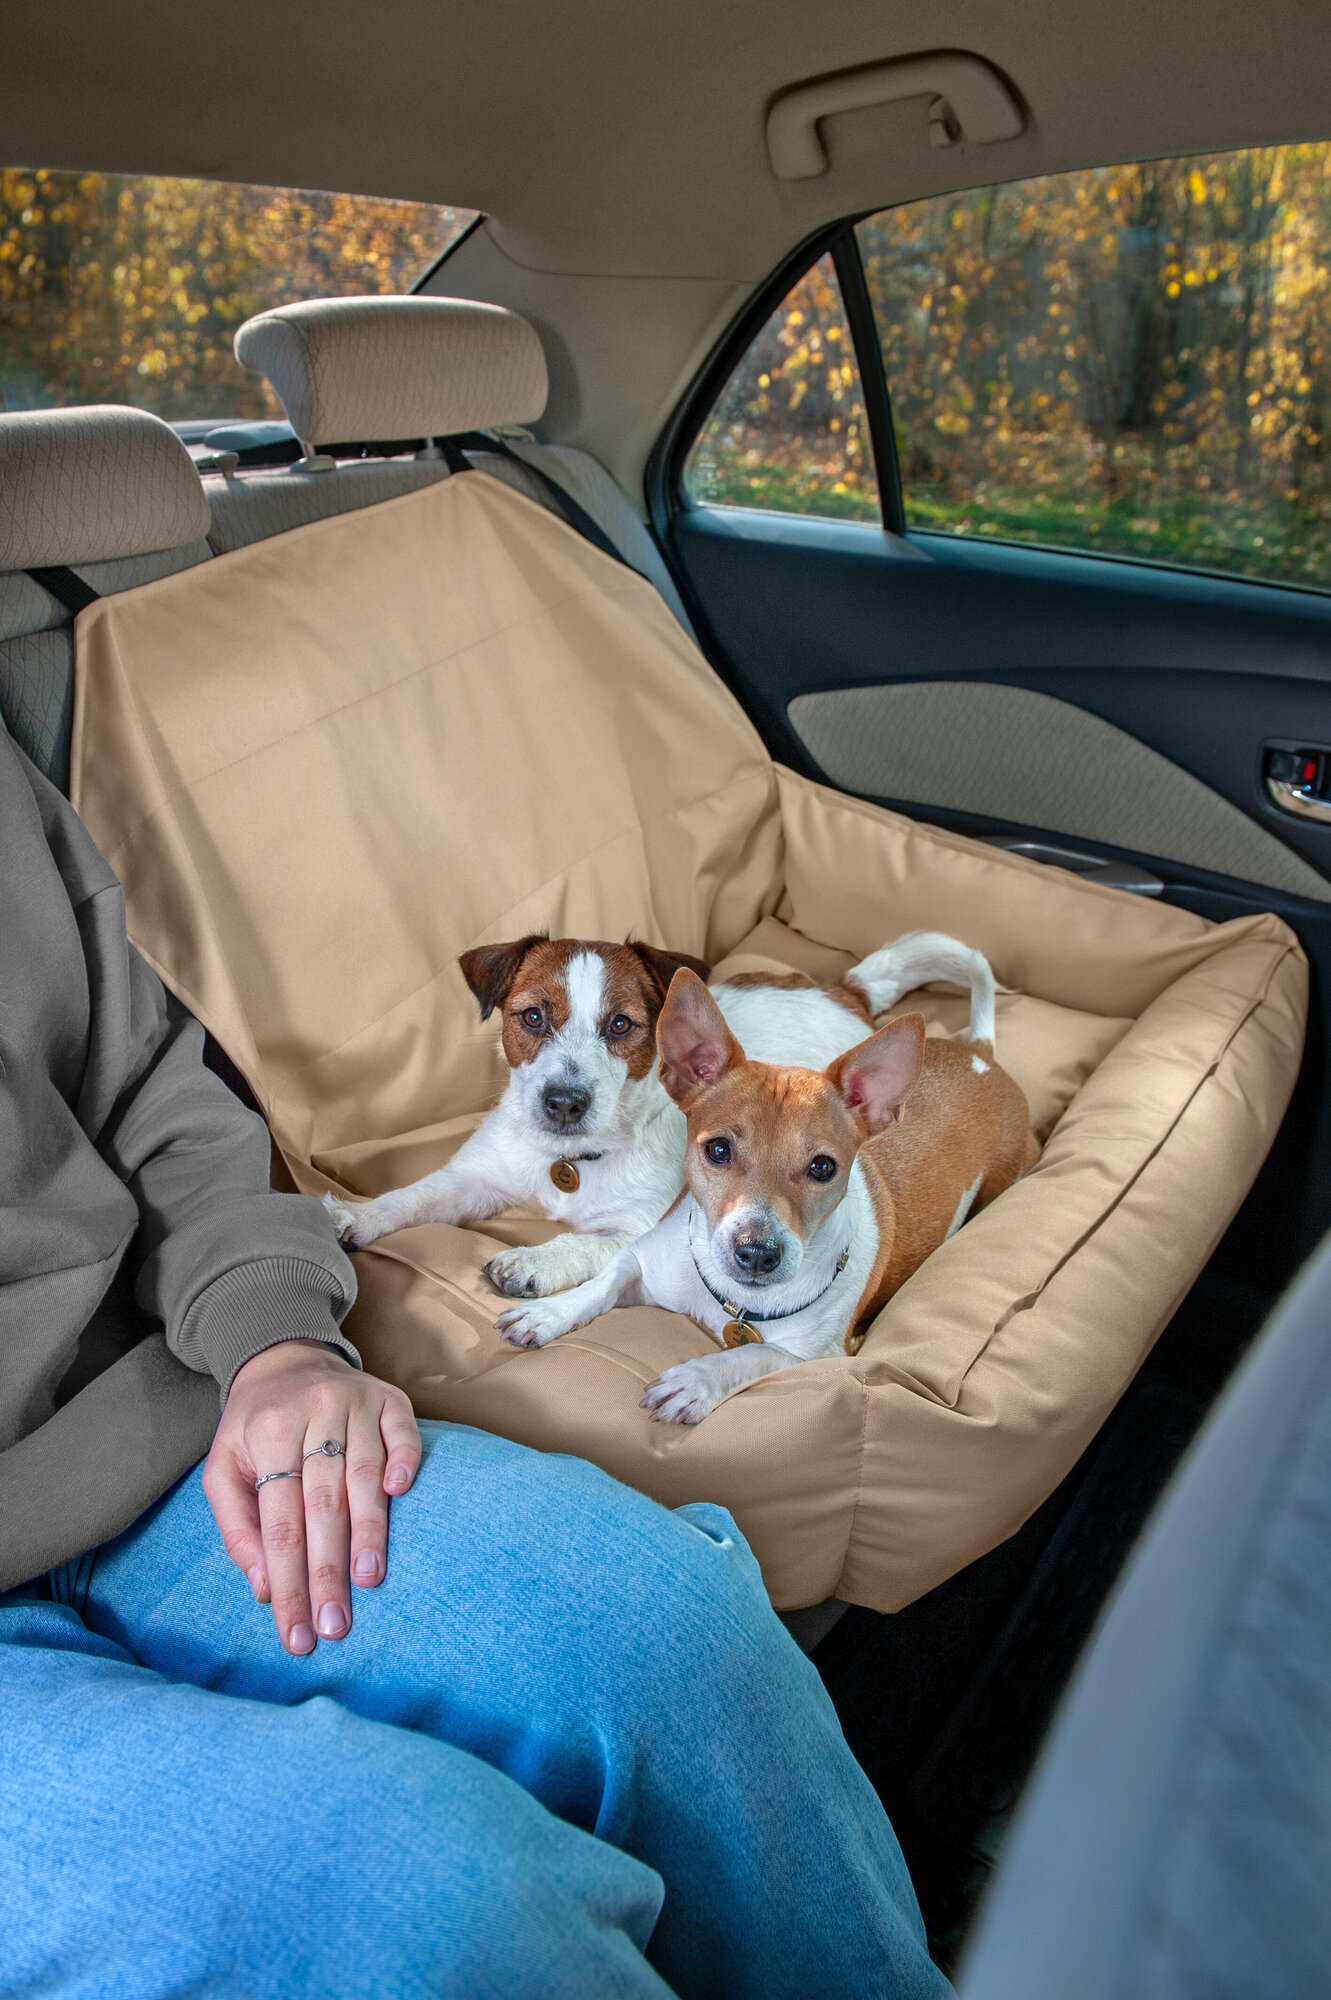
129 289
789 431
1130 361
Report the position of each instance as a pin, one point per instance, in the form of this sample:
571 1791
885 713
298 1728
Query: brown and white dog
811 1195
585 1129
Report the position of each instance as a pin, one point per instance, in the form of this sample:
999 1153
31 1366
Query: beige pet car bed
327 763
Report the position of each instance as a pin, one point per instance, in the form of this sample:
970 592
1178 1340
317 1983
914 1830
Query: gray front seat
1176 1839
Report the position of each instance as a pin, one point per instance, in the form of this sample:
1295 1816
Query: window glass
1135 360
788 431
128 290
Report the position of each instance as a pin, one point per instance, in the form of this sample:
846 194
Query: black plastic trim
873 377
444 255
663 487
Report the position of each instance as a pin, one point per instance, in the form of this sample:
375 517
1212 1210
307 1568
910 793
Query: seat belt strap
573 512
454 455
65 587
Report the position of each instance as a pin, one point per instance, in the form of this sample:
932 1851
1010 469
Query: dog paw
359 1223
517 1274
539 1269
535 1324
343 1215
685 1394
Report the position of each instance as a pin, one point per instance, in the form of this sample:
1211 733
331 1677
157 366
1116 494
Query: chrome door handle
1297 778
1114 874
1298 799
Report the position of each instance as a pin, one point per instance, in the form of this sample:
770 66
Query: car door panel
1202 670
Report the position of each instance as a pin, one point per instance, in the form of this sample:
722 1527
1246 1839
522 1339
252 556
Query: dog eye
821 1168
621 1025
533 1018
718 1152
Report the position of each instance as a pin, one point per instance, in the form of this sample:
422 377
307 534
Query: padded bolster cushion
322 767
93 485
352 370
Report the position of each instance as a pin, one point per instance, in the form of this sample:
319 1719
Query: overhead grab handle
971 101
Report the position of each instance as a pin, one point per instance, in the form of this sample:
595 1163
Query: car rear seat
105 491
307 350
1157 1050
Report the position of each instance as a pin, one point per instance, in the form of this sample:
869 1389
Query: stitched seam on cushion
859 1482
958 843
445 1284
1028 1299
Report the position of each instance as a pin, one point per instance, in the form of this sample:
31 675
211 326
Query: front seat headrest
356 370
94 484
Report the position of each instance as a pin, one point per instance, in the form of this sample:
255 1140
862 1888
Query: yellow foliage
1097 348
115 289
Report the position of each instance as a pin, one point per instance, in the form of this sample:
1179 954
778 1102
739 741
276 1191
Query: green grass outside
785 490
1187 533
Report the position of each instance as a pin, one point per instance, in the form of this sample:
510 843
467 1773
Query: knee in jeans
689 1590
464 1884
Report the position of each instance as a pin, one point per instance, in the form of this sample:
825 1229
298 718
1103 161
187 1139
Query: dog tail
919 956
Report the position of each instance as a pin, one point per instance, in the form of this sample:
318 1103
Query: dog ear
692 1039
876 1077
663 965
491 969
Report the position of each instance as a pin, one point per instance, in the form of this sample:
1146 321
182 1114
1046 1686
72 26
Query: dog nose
758 1255
566 1103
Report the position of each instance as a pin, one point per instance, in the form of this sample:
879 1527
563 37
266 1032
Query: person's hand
302 1542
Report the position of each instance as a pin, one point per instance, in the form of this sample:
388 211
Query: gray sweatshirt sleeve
227 1265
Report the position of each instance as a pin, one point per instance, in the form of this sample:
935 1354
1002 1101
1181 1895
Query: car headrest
356 370
92 484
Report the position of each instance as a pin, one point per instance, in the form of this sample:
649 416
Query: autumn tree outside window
119 289
1134 361
789 431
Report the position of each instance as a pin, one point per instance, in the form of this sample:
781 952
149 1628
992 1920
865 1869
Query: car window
120 289
788 431
1134 360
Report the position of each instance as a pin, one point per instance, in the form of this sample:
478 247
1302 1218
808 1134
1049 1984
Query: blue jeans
566 1750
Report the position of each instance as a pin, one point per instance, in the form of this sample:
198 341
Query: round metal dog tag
566 1176
736 1334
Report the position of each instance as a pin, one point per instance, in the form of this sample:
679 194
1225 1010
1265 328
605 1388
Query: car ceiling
611 142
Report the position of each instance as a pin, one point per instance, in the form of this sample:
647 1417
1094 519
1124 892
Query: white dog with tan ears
812 1195
585 1129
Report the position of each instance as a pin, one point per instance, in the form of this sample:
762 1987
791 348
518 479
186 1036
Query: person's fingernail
301 1639
397 1479
367 1566
257 1582
332 1621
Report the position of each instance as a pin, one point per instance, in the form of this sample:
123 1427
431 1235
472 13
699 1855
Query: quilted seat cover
327 763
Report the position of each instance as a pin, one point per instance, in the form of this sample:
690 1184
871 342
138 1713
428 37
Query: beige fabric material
249 505
325 765
92 484
980 747
350 370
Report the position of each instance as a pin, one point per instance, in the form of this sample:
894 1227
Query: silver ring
330 1448
264 1477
